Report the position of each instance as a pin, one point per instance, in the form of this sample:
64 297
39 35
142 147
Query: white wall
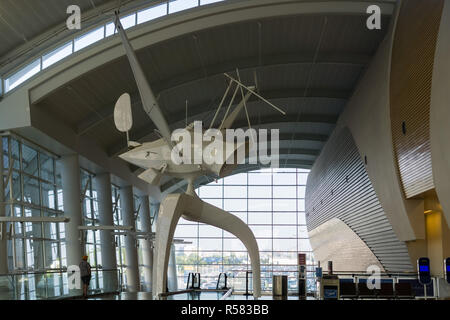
440 114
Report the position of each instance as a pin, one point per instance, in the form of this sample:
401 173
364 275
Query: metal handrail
191 278
226 280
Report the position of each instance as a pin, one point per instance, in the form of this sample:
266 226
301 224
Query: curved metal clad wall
411 77
339 187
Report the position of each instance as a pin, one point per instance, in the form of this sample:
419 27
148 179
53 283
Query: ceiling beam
248 64
196 111
176 185
194 76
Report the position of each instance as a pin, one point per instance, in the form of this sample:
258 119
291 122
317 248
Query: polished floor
186 296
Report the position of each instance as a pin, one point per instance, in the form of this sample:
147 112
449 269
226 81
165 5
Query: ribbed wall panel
411 78
329 196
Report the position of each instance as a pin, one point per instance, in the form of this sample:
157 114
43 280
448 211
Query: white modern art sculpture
157 159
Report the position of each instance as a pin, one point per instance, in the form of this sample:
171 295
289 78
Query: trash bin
280 286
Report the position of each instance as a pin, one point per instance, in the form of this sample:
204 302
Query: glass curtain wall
272 203
33 189
119 239
138 208
90 218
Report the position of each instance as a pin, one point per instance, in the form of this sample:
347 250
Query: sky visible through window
271 202
93 36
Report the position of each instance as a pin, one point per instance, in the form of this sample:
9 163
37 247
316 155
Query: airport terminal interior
343 191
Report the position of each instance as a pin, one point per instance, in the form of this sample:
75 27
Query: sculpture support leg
169 214
194 209
219 218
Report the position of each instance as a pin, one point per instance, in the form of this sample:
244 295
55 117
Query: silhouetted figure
85 271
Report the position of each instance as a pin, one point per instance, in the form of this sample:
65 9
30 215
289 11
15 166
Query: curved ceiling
306 64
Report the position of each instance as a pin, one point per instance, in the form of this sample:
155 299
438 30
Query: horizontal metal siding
411 78
338 187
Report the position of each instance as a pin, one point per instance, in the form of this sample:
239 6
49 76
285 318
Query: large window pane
284 245
47 168
235 192
209 231
285 258
203 2
262 231
284 232
304 245
260 218
260 192
260 179
57 55
31 193
302 178
23 75
89 38
285 218
284 192
285 179
284 205
179 5
301 191
210 191
301 205
233 245
264 244
278 229
235 205
152 13
302 232
259 204
210 244
266 259
186 231
48 195
234 257
30 160
210 257
110 29
189 244
128 21
301 218
237 179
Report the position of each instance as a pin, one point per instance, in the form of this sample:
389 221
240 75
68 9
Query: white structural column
126 202
105 211
147 247
71 187
3 248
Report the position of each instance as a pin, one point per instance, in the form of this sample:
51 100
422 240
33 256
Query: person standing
85 272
